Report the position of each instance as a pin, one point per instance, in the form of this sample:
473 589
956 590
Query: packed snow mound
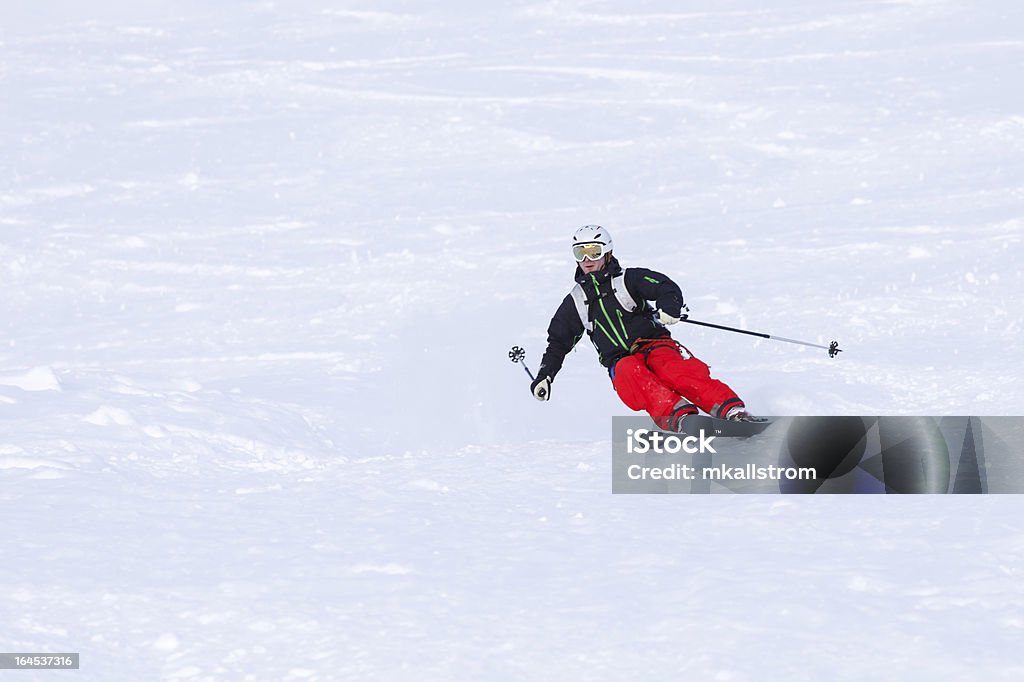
35 379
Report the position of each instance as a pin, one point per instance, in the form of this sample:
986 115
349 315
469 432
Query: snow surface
262 263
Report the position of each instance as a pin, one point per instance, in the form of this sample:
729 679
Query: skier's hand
541 388
667 319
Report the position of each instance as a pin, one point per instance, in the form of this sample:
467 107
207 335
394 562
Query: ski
723 428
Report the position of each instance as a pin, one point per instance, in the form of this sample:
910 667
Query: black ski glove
541 388
668 318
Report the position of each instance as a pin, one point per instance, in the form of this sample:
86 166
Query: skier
649 369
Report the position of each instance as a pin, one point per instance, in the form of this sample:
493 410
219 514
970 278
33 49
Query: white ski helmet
590 236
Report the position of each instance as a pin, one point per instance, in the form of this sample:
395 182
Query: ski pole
832 348
517 354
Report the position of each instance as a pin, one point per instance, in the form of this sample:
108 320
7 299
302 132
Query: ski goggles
589 251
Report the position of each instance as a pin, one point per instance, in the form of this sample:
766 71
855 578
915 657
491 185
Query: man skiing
649 369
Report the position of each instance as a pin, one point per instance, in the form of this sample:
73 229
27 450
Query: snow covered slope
262 263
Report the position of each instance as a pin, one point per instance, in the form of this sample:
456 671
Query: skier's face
588 266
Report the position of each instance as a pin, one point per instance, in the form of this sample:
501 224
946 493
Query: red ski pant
663 378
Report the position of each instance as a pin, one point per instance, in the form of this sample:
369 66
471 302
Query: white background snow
262 263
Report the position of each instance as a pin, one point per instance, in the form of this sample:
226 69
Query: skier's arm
564 331
649 285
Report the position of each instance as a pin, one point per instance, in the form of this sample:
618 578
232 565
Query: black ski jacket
615 329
